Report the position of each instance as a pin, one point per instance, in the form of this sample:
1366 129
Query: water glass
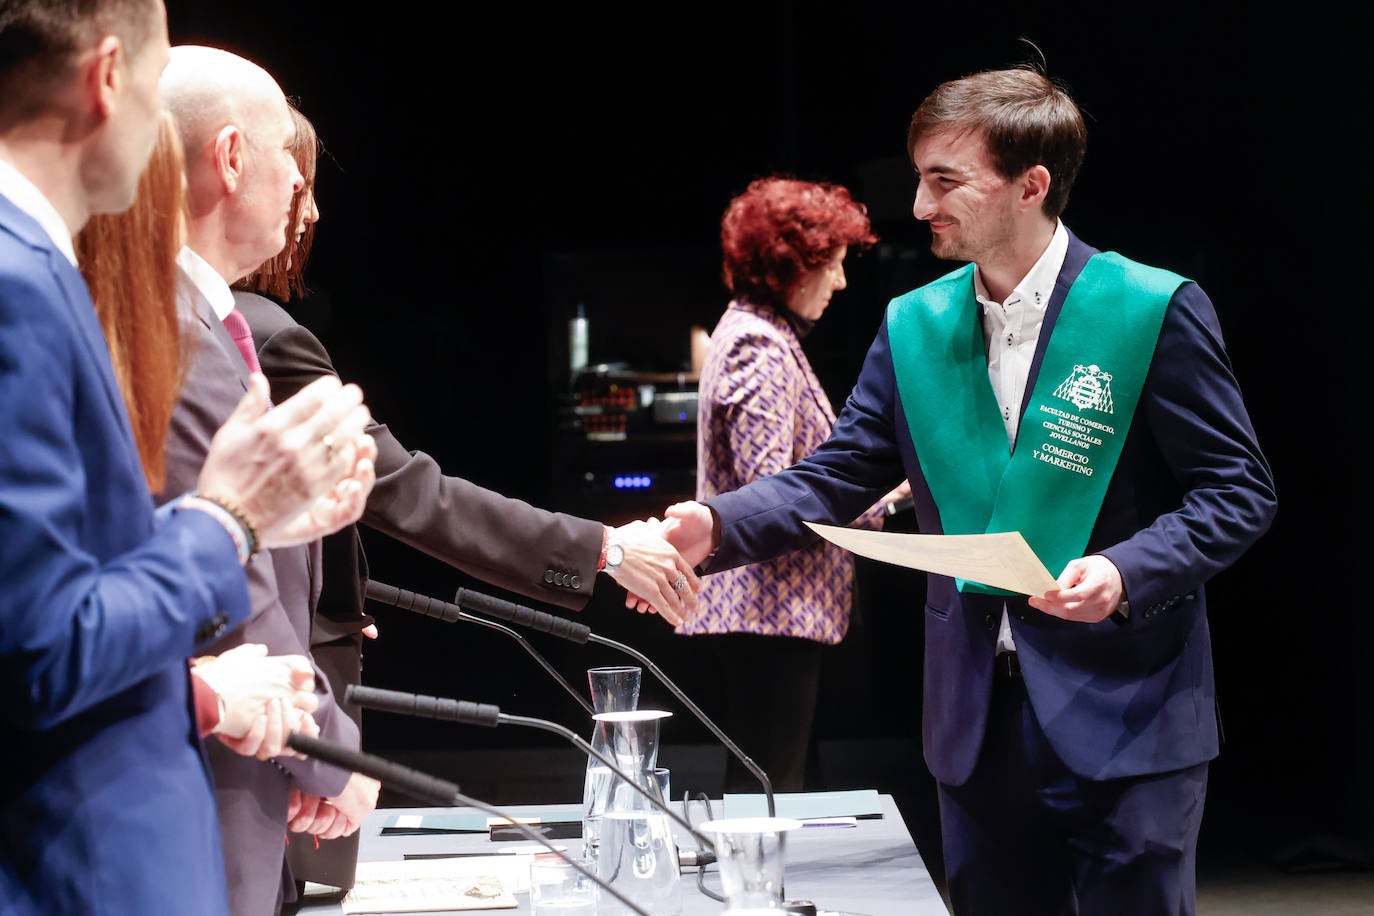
559 889
749 852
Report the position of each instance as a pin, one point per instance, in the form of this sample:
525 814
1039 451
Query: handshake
643 558
669 550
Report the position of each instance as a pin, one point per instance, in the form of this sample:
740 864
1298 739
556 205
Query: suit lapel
207 317
1074 259
80 309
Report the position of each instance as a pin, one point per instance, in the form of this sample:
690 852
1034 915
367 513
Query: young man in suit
106 805
1086 401
237 129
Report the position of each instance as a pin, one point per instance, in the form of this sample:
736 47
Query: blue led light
632 481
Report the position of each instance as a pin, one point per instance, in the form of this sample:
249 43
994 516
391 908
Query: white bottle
577 340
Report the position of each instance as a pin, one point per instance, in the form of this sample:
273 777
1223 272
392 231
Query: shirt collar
207 281
1035 287
25 195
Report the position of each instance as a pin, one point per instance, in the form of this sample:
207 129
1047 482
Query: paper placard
803 806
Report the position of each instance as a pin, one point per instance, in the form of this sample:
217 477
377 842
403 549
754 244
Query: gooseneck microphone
448 613
431 790
564 629
411 704
420 786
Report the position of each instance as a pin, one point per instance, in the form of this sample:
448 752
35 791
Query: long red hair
129 262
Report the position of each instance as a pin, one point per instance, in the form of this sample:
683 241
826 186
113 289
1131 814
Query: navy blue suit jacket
105 802
1190 493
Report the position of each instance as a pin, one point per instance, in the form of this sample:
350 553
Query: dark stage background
490 167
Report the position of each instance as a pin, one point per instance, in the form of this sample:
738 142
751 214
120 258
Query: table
871 869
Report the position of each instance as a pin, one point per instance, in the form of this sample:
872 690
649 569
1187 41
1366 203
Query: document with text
998 560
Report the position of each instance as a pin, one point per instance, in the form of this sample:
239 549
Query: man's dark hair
41 42
1025 118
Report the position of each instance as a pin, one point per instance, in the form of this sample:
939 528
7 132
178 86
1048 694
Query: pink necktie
243 338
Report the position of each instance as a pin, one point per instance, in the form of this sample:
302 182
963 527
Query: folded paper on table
803 806
466 822
1002 560
438 885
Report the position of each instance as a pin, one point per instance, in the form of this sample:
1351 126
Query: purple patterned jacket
761 410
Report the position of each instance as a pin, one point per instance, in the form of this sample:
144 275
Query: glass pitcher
613 689
636 852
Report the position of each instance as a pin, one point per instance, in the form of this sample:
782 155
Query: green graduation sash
1050 487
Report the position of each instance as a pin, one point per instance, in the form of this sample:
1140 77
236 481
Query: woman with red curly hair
762 408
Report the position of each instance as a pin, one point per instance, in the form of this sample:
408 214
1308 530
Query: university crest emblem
1087 386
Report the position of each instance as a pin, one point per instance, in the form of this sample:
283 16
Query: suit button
987 621
212 628
575 581
559 579
548 577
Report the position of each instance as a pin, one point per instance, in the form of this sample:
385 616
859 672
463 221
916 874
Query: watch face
615 555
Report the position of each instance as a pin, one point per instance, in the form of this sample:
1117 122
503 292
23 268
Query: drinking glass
749 852
557 888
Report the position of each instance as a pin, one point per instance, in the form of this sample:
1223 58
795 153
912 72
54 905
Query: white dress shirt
25 195
199 278
1011 329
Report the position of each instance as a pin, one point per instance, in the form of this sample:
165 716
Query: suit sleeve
77 628
834 485
1193 415
495 538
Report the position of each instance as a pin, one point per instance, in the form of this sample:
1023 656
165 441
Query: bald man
236 129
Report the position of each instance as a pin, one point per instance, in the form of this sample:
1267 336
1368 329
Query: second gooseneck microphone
411 704
564 629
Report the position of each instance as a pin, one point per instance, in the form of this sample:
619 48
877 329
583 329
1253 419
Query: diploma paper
998 560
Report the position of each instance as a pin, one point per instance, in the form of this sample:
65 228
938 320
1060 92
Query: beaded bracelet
240 531
248 530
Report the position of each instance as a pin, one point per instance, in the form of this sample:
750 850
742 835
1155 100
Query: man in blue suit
105 802
1087 401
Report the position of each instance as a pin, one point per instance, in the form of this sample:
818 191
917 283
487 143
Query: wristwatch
615 555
